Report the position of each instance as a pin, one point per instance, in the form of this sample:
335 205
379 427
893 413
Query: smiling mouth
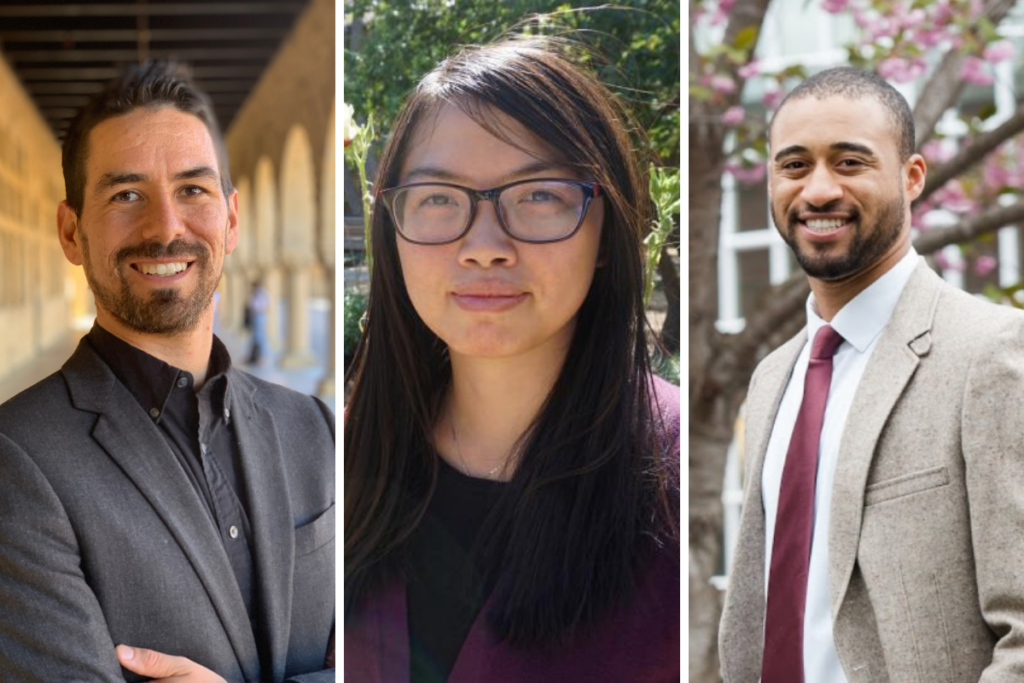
162 269
824 226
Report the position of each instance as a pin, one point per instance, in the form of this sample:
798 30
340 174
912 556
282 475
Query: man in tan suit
882 533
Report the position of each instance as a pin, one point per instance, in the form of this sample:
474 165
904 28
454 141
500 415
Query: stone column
298 353
326 388
272 281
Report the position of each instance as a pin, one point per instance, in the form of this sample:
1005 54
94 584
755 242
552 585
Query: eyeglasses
537 211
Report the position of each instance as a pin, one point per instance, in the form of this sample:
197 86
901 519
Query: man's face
840 196
155 225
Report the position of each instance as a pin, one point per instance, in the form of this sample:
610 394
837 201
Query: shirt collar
864 317
151 380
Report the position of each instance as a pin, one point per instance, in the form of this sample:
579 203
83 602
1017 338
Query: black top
198 430
448 582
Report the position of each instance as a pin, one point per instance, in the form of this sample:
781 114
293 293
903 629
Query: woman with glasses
511 465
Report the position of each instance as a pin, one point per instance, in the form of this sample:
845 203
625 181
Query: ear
917 173
67 232
231 239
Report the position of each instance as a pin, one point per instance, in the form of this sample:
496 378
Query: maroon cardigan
638 642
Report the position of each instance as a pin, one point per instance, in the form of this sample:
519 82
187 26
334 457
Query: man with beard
882 520
162 514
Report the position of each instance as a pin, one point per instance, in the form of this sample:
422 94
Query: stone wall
36 283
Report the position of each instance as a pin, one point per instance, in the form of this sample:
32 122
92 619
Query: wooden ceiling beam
188 54
150 9
131 35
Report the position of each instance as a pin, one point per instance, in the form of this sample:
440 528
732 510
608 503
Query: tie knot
825 343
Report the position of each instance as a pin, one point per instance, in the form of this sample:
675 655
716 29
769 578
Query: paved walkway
306 380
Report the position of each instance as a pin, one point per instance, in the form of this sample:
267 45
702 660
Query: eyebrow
438 172
109 180
835 147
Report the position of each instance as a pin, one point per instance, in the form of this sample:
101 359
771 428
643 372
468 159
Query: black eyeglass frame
591 190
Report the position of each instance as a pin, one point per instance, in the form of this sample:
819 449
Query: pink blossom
935 151
901 70
942 12
726 5
723 84
941 261
952 197
997 176
733 116
772 98
835 6
973 71
984 265
928 36
749 70
999 51
748 175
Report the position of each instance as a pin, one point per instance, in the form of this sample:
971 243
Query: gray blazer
103 540
926 543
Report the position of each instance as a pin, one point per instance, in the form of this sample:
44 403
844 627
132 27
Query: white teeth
165 269
824 225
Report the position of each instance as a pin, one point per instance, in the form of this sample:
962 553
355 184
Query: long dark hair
592 489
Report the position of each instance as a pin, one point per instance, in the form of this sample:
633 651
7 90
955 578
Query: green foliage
404 39
354 308
665 186
667 367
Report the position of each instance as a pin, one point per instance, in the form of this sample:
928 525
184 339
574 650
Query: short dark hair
846 81
153 84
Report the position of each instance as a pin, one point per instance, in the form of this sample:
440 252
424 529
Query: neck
189 351
491 405
831 296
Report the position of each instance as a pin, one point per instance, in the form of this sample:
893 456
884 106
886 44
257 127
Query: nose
486 244
163 221
821 187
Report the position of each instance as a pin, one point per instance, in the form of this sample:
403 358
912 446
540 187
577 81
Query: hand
161 667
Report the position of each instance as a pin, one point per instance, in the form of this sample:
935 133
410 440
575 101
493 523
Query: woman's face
487 295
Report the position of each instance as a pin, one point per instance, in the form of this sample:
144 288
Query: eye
851 163
126 196
192 191
794 165
540 196
437 200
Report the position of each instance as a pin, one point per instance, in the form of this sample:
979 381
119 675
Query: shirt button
182 382
154 412
233 531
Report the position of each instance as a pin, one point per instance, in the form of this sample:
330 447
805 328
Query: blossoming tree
973 189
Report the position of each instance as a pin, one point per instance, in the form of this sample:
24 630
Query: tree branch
974 152
970 228
945 84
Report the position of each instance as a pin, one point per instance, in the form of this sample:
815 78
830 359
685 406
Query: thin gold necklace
458 451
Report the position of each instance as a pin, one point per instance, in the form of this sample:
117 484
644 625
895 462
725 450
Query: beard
866 247
166 311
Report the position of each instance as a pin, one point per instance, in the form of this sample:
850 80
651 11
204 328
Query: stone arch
264 213
298 199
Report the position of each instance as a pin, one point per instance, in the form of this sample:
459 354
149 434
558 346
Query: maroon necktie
791 550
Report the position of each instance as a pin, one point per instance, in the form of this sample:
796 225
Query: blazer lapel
743 623
270 508
131 439
905 339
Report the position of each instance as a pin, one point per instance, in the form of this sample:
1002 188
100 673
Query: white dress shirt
860 322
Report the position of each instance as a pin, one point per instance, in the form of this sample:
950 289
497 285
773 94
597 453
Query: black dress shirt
199 432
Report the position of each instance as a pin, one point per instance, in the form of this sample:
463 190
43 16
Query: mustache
153 250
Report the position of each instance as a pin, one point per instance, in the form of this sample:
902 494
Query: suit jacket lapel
271 519
745 605
905 339
131 439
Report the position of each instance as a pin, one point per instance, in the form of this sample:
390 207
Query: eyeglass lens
533 211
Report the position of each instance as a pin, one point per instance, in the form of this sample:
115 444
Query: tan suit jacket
926 543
